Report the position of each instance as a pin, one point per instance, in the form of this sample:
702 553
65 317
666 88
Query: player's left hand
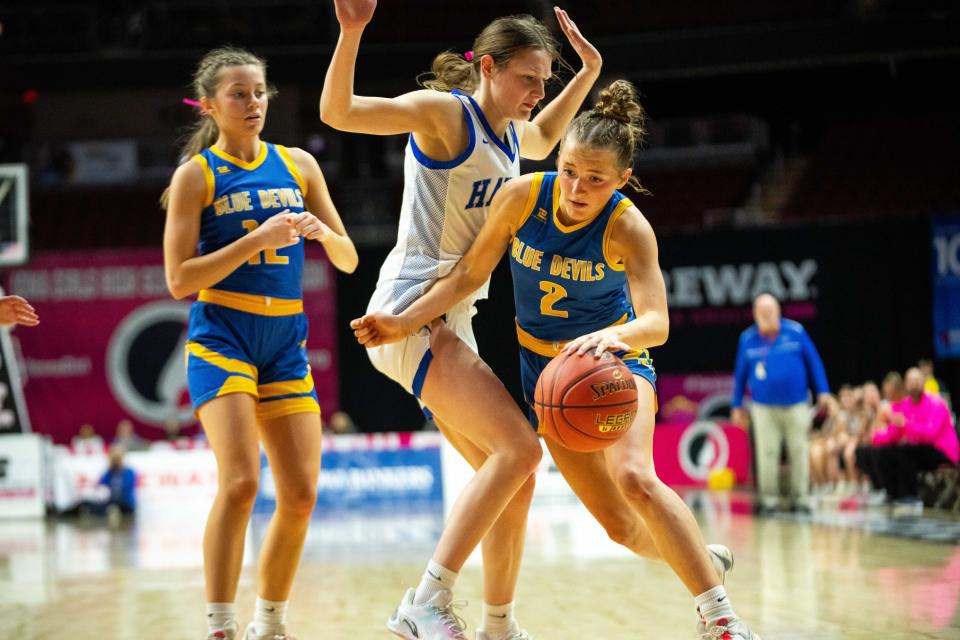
599 341
588 53
311 227
16 310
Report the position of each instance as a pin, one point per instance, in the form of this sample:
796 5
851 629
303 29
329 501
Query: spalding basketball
585 403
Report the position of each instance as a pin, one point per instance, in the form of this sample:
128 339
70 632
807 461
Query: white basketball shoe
432 620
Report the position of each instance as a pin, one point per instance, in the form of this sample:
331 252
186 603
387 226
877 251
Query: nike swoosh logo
412 627
721 599
437 578
270 609
485 141
502 615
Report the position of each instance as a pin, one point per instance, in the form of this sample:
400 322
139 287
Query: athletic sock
220 615
268 615
496 619
714 604
435 579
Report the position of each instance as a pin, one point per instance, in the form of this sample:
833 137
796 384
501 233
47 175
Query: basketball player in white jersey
468 131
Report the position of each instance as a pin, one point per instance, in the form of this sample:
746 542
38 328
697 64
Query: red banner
110 341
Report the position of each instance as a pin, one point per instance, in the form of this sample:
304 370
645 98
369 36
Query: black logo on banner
145 363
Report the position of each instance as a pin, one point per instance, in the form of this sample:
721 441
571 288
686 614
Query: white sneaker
722 559
515 633
432 620
279 634
729 630
228 633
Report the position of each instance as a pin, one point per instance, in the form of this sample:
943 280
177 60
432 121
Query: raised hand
354 15
588 53
375 329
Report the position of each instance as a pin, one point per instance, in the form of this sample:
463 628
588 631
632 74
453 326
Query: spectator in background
823 428
87 442
776 359
869 418
121 482
920 437
931 383
341 422
127 438
16 310
893 391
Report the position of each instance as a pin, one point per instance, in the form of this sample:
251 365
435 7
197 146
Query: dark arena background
803 149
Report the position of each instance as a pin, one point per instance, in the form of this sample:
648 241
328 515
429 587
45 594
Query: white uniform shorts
407 361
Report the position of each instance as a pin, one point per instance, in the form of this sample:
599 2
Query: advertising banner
110 341
945 234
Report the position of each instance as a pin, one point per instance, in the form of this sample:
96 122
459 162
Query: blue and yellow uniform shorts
533 363
234 351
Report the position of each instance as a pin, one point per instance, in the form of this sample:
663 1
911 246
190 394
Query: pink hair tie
468 56
194 103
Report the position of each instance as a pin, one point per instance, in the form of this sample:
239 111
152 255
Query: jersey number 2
270 255
554 293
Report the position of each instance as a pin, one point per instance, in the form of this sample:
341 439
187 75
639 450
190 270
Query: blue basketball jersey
564 283
240 197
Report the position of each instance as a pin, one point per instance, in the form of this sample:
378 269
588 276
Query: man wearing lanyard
778 362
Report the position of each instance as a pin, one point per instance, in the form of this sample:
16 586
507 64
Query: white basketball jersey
444 205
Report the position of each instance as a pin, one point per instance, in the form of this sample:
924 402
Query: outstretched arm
541 134
424 112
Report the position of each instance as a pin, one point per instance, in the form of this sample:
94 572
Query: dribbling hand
375 329
354 15
599 341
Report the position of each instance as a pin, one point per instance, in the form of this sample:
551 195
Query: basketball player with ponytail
614 301
239 211
467 132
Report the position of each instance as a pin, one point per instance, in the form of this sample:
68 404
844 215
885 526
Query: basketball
585 403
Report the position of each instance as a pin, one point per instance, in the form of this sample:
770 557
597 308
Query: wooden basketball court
84 580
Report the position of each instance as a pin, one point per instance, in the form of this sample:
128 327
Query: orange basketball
585 403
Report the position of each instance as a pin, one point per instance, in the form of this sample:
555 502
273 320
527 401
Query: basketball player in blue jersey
239 211
467 132
586 279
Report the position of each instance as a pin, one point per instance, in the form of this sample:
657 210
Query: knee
638 486
240 491
524 456
298 498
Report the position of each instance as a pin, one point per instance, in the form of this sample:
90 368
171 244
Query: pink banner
686 397
110 341
685 454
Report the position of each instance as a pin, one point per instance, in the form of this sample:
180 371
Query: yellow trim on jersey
208 176
531 202
223 362
243 164
556 211
550 349
292 168
250 303
622 206
238 384
286 387
286 407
